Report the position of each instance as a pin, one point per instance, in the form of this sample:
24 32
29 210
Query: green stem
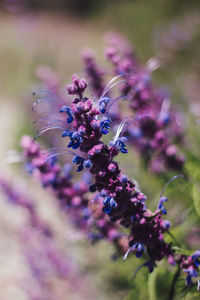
154 215
171 235
172 288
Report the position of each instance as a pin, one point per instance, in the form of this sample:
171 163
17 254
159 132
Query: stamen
45 96
49 121
136 271
40 100
59 154
173 178
115 100
121 127
59 148
127 253
111 86
47 129
125 123
40 93
109 83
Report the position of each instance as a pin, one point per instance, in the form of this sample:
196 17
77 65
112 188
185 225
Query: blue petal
87 164
107 209
66 133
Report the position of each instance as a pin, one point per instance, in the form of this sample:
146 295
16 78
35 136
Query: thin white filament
44 130
115 100
39 93
43 99
55 125
173 178
52 127
109 84
56 154
136 271
59 149
121 127
49 122
127 253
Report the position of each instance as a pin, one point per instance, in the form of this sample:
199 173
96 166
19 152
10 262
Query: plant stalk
172 288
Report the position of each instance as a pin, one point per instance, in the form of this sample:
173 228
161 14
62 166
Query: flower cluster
73 197
122 202
156 127
51 175
93 72
190 265
117 200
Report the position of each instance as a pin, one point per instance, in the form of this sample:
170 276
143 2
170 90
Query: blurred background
53 33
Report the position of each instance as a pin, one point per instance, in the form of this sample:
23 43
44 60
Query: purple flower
139 249
68 113
75 140
103 103
196 258
77 160
105 125
66 133
145 99
124 179
72 197
191 272
123 202
77 87
93 72
161 206
109 203
120 144
166 224
87 164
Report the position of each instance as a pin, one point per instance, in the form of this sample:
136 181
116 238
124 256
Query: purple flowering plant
117 202
157 126
72 197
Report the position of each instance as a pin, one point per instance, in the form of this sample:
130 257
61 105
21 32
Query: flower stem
174 239
172 288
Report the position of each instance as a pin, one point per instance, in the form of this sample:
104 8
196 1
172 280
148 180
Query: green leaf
196 198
